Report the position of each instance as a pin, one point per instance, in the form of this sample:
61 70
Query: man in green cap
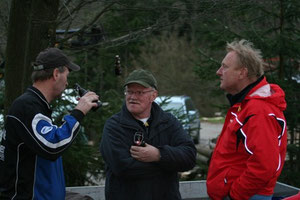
144 147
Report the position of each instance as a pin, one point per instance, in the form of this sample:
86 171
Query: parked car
183 108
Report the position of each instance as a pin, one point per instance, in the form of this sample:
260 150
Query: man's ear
154 95
55 73
243 73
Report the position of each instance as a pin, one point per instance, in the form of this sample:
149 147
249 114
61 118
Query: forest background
181 41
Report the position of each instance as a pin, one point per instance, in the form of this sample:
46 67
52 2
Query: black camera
81 91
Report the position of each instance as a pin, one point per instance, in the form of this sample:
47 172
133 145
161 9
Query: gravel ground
209 131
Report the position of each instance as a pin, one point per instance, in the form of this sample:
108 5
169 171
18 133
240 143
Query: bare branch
71 13
82 29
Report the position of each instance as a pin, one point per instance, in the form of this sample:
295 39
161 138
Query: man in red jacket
251 148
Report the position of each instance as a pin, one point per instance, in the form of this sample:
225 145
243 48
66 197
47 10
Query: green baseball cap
142 77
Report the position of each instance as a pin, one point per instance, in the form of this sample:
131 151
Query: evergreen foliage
273 27
182 42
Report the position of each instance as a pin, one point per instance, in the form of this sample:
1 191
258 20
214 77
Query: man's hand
148 153
87 101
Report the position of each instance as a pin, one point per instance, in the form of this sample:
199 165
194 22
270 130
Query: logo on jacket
239 108
46 129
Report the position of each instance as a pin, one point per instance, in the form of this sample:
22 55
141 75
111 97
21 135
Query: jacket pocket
219 186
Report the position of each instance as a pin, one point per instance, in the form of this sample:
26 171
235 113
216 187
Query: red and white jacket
250 151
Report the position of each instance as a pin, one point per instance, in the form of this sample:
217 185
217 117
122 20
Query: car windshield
173 107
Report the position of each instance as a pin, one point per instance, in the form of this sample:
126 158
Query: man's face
139 100
61 81
230 73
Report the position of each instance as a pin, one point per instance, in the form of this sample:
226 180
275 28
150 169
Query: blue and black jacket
31 148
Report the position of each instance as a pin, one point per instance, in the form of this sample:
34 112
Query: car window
189 105
173 107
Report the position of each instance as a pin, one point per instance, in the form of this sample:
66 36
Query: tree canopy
181 41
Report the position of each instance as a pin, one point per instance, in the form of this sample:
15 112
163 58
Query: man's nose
219 71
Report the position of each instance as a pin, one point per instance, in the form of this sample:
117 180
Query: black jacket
30 159
127 178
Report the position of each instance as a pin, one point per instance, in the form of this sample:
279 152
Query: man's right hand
87 101
148 153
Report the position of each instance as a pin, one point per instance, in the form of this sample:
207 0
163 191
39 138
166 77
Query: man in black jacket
144 147
31 146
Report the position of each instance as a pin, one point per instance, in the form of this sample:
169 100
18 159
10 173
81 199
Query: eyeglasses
137 93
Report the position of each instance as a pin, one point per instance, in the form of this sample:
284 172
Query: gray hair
248 56
45 74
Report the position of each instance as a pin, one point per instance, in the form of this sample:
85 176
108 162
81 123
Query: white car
183 108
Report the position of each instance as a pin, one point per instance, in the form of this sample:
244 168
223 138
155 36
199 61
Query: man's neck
143 115
243 84
139 117
242 94
45 89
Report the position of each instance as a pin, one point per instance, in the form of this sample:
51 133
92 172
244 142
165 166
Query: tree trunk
31 28
15 50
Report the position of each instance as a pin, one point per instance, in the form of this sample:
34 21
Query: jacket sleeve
44 138
114 148
262 143
180 154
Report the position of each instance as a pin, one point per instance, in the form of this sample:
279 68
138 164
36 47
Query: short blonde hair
248 56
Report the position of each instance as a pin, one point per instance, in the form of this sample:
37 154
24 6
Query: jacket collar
239 97
38 93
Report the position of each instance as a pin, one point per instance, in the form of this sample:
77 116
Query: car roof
172 98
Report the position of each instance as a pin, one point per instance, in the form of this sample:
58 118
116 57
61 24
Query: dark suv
183 108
